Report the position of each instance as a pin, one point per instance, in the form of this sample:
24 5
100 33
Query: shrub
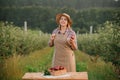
14 40
104 43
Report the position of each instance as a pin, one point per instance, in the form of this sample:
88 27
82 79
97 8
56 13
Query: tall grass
15 67
97 70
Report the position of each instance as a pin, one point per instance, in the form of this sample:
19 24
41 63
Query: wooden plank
67 76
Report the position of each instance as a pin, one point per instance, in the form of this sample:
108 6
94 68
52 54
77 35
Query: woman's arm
72 40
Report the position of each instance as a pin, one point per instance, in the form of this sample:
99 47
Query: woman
64 41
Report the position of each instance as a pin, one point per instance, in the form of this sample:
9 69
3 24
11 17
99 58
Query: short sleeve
55 31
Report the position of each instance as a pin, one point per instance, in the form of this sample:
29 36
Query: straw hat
58 16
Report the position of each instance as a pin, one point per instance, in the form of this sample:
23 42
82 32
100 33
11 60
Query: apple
56 68
72 37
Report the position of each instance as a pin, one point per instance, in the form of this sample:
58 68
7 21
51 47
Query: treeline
44 18
77 4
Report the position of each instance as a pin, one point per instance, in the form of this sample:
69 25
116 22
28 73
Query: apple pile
56 68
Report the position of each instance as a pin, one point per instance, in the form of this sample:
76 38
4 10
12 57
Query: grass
15 67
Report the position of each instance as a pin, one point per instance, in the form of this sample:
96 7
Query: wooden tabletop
67 76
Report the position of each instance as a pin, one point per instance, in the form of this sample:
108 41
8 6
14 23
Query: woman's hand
72 43
72 40
52 37
51 42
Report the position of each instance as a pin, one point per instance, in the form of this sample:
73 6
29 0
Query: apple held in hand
72 37
53 35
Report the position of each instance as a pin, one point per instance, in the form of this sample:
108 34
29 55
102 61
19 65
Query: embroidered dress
63 53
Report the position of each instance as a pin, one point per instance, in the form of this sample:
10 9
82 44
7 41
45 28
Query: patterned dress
63 53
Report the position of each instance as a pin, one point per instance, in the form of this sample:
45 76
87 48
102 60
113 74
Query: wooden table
67 76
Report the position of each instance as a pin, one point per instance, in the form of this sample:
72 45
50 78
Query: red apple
72 37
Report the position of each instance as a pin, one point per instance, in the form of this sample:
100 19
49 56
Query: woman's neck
63 28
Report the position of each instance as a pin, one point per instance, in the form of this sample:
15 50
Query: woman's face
63 21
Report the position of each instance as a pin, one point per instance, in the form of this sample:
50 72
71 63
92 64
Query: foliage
105 43
15 40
